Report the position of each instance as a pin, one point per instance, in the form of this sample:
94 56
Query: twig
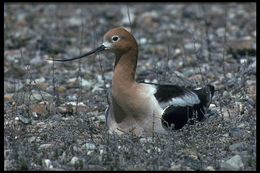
129 18
224 50
79 79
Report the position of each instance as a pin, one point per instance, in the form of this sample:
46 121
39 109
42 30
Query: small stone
212 105
143 40
197 77
62 109
61 89
72 80
47 164
177 51
226 114
38 60
225 135
24 118
63 156
40 80
210 168
233 164
31 139
7 153
41 108
128 15
89 146
8 97
12 87
75 21
8 164
243 61
221 32
76 149
175 167
148 20
192 46
34 114
45 146
236 132
33 97
240 44
102 118
235 146
146 139
86 84
74 160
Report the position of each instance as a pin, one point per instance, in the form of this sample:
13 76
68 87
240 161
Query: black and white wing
182 104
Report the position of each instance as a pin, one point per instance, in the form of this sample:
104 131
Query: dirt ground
54 112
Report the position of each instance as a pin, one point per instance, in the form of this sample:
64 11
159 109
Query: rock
86 84
75 21
62 109
236 132
61 89
242 47
252 68
233 164
63 156
89 147
12 87
74 160
38 60
240 44
45 146
31 139
76 149
77 163
70 107
40 80
221 32
24 118
7 153
47 164
15 70
33 96
192 46
175 167
101 118
148 20
210 168
41 108
235 146
8 97
195 78
128 15
8 164
146 139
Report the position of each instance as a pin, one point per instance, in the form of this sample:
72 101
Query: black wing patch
176 117
175 95
165 93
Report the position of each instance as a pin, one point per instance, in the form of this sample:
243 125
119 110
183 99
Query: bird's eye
115 38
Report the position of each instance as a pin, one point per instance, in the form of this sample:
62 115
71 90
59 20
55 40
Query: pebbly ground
54 113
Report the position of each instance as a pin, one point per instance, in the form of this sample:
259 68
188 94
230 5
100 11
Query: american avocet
138 107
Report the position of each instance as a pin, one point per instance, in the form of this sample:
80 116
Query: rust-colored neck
125 66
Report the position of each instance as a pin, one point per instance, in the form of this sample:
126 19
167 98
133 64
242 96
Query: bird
145 108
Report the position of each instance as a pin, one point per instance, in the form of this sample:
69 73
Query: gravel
54 112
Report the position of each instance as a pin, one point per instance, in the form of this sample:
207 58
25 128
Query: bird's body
146 108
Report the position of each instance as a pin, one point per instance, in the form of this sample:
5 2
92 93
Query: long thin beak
99 49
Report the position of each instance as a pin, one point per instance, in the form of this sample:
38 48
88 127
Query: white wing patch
188 99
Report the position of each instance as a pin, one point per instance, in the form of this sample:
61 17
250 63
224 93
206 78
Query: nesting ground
54 112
